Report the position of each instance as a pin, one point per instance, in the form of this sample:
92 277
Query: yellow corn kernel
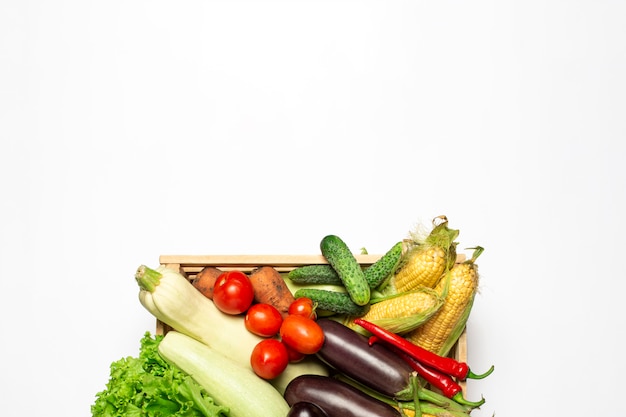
411 413
458 288
426 260
402 312
424 267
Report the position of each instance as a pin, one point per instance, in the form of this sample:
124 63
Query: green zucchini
348 268
315 274
337 302
377 275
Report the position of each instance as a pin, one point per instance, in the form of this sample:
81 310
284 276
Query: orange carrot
270 288
205 280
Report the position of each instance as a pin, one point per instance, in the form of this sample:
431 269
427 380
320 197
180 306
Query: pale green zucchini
227 382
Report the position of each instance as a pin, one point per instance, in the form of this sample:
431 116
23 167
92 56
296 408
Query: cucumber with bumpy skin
348 268
315 274
378 274
337 302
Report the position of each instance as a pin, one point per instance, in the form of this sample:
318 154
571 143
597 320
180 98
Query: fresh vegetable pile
337 338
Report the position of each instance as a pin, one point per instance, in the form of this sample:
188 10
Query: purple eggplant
305 409
375 366
336 398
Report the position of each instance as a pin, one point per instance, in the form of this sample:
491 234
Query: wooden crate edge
256 260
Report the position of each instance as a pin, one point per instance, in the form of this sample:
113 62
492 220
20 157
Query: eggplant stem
416 389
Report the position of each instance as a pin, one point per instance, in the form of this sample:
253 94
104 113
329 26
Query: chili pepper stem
458 397
444 382
472 375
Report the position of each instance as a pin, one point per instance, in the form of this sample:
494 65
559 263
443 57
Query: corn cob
401 313
458 289
426 260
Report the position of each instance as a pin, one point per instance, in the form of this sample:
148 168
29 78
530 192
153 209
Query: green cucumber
377 275
348 268
337 302
315 274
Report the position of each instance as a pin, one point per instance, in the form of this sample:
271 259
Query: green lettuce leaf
148 386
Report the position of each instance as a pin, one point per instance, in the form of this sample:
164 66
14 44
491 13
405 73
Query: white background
131 129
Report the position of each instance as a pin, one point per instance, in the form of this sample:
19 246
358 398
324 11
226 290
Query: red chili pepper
444 382
459 370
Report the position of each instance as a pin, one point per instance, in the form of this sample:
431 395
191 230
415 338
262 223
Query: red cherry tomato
294 356
303 306
263 320
233 292
302 334
269 358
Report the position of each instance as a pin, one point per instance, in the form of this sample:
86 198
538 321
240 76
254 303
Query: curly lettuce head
148 386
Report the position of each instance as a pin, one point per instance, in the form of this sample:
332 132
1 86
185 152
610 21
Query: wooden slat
460 354
255 260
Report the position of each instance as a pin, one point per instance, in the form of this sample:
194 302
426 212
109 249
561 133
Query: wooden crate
190 265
